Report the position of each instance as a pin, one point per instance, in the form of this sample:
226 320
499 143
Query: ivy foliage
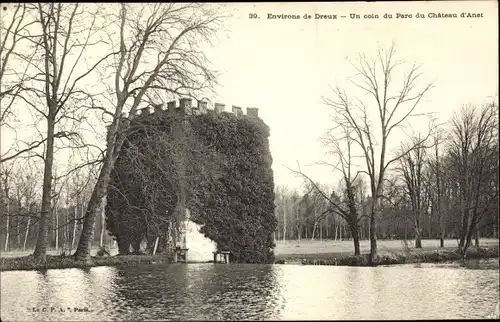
219 163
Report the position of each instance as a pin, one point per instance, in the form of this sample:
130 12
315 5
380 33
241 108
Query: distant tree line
66 212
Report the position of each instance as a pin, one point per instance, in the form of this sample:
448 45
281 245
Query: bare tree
26 183
281 211
350 181
393 104
13 35
288 213
167 35
346 207
436 175
10 36
5 177
411 168
312 209
52 91
79 189
473 148
339 141
18 211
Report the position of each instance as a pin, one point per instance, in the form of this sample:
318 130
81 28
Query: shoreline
333 259
28 263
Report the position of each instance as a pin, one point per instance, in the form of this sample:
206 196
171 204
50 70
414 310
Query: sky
285 66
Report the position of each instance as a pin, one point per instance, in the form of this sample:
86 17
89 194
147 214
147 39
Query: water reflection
248 292
197 292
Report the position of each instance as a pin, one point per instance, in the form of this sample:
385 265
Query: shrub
359 260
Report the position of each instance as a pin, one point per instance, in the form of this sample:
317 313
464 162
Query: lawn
294 249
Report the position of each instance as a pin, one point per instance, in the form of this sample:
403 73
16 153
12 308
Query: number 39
252 16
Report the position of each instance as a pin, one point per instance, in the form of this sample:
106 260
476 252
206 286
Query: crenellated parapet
186 107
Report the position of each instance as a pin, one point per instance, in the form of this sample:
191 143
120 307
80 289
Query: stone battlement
186 106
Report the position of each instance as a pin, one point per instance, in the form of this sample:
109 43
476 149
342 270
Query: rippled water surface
249 292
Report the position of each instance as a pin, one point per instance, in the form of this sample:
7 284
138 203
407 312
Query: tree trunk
57 228
27 232
418 237
355 238
468 241
6 246
82 214
369 229
114 140
43 228
103 225
284 223
439 200
373 236
465 224
429 226
321 231
74 229
477 236
156 245
66 232
327 232
94 207
466 235
442 229
18 233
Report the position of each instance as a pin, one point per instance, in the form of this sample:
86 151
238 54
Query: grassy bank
29 262
389 258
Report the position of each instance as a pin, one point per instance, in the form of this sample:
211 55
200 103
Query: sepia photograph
249 161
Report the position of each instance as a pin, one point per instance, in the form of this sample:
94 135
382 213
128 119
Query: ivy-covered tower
215 163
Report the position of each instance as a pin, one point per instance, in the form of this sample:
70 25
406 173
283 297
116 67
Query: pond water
250 292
